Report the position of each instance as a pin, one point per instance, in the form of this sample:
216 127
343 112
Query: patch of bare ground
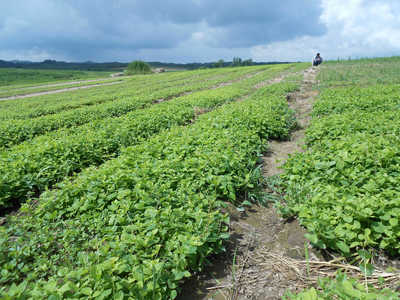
253 266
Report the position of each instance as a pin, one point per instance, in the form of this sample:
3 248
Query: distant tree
236 62
138 67
219 64
247 62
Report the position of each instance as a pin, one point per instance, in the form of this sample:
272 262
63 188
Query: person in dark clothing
317 60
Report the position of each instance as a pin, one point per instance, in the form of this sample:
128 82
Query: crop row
145 84
34 166
30 168
137 225
86 98
369 99
16 131
345 188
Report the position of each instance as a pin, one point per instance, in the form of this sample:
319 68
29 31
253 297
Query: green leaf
349 289
310 295
313 238
224 236
364 254
367 269
246 203
343 247
86 291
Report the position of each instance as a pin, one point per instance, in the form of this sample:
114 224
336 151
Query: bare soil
253 266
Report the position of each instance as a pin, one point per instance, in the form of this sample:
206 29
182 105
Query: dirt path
255 264
59 91
301 103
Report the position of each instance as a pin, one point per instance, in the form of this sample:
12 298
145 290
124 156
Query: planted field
13 132
124 188
146 213
34 166
29 90
169 225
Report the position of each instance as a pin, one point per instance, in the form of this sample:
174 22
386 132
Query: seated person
317 60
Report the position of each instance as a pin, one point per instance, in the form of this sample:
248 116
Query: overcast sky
197 30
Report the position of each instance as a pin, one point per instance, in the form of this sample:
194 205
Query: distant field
28 77
35 90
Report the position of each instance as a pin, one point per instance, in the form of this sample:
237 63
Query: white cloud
355 28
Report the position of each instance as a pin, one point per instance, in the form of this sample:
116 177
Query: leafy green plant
140 223
13 132
345 187
346 191
30 168
342 287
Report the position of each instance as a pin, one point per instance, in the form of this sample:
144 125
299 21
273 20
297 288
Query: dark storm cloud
80 30
252 22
